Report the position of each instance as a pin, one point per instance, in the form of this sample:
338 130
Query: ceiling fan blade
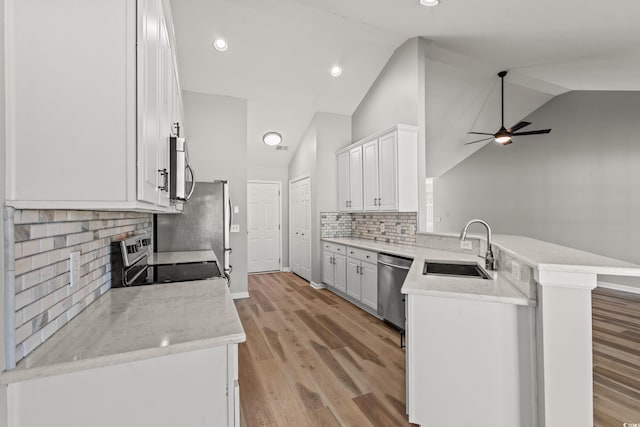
479 140
518 126
479 133
533 132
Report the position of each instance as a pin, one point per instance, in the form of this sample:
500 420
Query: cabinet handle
379 201
375 202
165 175
361 271
332 260
357 269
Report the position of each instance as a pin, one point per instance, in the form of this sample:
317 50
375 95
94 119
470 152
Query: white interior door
263 226
300 230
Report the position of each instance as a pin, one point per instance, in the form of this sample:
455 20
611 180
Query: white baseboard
240 295
314 285
285 270
619 287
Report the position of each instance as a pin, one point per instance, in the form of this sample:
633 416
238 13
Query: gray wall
393 97
216 128
398 96
577 187
281 175
3 388
316 157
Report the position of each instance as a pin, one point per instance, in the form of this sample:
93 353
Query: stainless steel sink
454 269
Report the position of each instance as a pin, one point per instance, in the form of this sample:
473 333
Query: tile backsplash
389 227
43 241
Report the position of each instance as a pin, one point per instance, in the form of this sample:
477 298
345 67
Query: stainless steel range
129 262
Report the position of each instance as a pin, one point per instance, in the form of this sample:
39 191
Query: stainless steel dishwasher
392 270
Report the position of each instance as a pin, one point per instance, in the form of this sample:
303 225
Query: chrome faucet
489 259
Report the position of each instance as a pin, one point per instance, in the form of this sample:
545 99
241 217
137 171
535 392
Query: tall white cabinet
383 174
92 92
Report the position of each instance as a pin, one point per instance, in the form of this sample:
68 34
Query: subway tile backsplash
43 241
389 227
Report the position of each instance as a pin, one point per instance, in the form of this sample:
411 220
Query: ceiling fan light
429 2
503 139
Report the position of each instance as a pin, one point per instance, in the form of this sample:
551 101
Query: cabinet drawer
362 255
332 247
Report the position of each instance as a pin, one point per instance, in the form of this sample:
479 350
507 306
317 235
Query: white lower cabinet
362 282
334 272
196 388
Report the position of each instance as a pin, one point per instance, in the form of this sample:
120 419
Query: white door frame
258 181
291 182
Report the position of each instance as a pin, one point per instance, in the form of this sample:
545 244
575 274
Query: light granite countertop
545 256
541 256
181 257
497 289
129 324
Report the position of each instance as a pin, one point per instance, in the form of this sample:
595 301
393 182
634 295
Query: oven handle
133 279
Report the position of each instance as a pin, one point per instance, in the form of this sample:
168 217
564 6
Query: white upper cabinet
388 173
343 181
92 91
370 175
355 179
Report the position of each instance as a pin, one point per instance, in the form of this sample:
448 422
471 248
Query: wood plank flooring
616 357
314 359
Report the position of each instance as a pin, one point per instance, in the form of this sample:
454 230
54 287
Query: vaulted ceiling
280 51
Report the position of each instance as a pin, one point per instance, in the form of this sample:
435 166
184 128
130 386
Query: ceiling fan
505 136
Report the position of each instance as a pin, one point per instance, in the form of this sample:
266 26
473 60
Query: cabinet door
149 98
340 272
327 268
343 182
353 278
167 83
388 172
370 285
370 175
355 179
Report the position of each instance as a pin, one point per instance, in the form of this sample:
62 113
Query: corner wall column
564 348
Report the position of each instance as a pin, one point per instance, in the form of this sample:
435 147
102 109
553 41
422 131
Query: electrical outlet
235 228
236 209
74 268
382 227
466 244
515 270
398 229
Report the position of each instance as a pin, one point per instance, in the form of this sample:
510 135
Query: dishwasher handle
402 267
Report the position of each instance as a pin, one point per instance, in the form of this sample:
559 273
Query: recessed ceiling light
272 138
429 2
336 70
220 45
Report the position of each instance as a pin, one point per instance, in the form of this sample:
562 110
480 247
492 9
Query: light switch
235 228
236 209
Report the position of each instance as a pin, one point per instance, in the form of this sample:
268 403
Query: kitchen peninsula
501 343
161 355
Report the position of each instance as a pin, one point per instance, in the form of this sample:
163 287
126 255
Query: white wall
281 175
398 97
3 388
316 157
216 128
393 97
577 186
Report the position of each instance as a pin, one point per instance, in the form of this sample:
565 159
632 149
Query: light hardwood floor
313 359
616 358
